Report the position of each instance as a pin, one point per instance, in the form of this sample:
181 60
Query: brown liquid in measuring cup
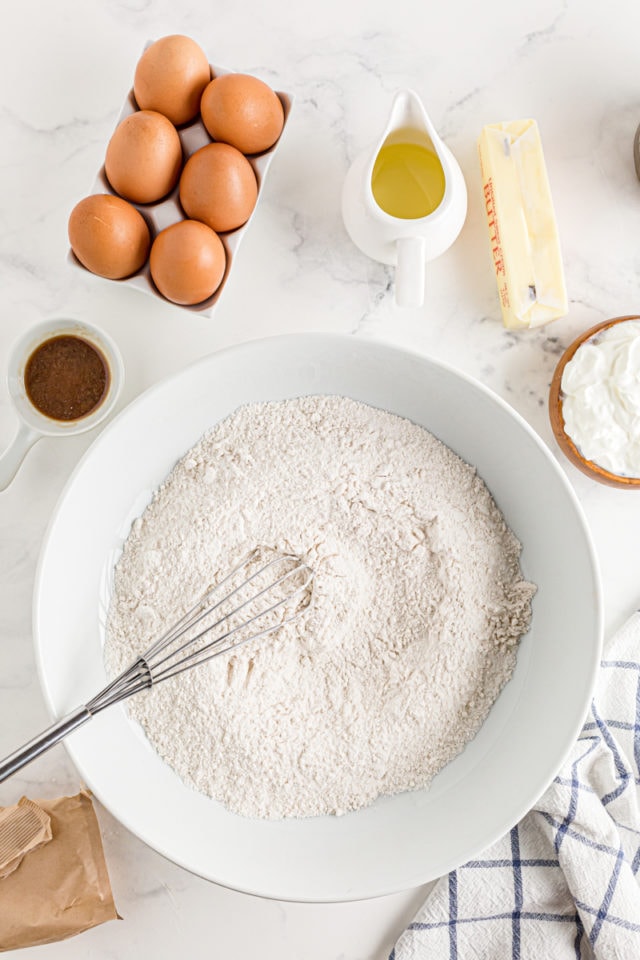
66 378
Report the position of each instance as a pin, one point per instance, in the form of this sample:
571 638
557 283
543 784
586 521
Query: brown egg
170 77
144 157
108 236
243 111
187 262
218 187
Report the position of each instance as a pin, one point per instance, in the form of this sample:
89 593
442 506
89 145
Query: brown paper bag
60 886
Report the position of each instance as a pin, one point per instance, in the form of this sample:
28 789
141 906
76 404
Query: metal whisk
229 614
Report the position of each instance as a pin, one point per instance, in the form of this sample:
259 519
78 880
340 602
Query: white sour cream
601 399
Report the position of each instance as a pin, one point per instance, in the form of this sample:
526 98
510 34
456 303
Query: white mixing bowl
399 841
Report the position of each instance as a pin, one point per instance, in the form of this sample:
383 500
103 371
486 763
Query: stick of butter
522 225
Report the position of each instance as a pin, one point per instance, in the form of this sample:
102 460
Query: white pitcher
406 241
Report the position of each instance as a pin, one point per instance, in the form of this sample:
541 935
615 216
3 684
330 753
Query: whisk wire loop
180 648
195 655
152 666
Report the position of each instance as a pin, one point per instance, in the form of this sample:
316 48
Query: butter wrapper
522 226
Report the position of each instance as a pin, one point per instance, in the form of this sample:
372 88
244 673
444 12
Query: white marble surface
65 68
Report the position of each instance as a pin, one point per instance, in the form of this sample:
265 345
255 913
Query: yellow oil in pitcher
407 180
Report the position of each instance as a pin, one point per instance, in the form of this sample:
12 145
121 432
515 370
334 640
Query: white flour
418 605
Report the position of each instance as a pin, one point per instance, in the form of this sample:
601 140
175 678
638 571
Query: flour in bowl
417 608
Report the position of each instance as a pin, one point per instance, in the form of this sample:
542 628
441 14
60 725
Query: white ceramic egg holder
167 211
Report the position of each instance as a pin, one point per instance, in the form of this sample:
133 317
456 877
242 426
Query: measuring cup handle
410 271
15 453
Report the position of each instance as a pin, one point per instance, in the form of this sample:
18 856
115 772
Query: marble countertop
65 69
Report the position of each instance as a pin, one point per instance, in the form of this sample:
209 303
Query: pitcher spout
409 123
407 110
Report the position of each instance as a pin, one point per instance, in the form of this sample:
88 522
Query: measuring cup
33 424
408 242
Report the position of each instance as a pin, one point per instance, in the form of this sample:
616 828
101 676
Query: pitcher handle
410 271
13 456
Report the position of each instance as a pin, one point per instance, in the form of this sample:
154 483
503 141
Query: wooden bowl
565 442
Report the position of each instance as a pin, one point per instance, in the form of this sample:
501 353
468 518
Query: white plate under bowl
399 841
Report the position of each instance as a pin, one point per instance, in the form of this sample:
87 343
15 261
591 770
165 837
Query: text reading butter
522 225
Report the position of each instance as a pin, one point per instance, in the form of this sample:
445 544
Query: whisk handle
40 744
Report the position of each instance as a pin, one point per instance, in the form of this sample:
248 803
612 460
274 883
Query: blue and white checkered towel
564 882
